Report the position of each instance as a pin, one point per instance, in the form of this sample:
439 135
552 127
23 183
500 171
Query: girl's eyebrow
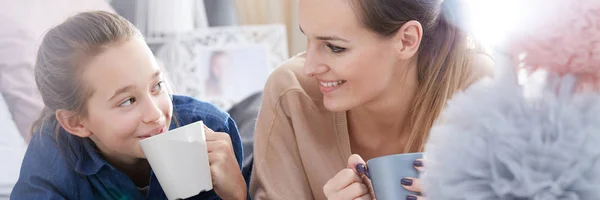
155 75
130 87
120 91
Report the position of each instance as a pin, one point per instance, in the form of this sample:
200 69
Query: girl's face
129 101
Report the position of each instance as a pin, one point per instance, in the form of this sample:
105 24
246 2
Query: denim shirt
79 172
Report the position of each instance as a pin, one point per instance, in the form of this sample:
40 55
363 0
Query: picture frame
184 58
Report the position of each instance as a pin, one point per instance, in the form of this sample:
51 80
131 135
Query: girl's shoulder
188 110
46 171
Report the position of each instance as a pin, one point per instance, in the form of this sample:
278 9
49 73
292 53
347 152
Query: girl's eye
127 102
335 49
158 87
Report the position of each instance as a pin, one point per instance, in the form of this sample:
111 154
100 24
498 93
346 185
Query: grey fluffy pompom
493 142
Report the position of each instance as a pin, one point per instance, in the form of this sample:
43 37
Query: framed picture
232 74
222 65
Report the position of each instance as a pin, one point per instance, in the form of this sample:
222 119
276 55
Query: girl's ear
72 123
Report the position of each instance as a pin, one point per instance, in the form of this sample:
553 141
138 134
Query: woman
372 82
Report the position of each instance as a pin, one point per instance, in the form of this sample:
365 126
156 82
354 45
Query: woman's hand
413 184
227 178
351 183
348 184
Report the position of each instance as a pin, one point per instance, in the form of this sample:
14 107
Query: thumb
207 130
354 160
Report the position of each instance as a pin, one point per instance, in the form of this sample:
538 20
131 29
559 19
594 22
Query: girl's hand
227 178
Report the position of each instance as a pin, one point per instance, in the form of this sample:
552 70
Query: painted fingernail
411 197
418 163
406 182
360 168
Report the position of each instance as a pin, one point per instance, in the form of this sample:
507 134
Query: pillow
9 132
20 36
12 150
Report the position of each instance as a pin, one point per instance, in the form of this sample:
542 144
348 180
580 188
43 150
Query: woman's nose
314 65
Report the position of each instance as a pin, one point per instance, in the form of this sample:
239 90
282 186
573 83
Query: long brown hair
443 59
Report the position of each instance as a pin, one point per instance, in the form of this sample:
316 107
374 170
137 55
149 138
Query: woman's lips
328 86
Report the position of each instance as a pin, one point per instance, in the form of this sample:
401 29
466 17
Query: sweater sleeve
278 170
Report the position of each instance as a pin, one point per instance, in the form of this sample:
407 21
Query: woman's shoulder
289 81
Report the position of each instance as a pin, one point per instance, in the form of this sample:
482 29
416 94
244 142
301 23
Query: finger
219 146
414 197
209 134
213 136
367 181
216 157
361 168
341 180
355 159
365 197
418 164
215 173
206 129
353 191
411 184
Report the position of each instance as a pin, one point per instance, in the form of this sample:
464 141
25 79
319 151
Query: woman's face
353 65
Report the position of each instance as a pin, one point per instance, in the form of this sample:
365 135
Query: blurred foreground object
539 140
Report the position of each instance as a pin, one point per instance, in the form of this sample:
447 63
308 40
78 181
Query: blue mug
386 173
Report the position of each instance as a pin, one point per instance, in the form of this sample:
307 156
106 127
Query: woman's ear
408 39
72 123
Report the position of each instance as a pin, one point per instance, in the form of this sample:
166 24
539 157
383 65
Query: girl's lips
154 132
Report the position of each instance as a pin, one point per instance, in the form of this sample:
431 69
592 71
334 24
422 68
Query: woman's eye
335 49
127 102
158 87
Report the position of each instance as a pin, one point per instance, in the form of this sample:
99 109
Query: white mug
179 159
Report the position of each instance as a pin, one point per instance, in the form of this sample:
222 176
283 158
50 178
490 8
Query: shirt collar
80 153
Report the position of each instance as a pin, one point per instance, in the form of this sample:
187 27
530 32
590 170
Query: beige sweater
299 145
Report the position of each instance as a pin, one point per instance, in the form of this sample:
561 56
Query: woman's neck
371 131
373 125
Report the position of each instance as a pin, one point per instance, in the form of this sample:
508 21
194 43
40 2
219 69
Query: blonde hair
444 57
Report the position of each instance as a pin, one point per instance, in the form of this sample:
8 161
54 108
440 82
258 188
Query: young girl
103 92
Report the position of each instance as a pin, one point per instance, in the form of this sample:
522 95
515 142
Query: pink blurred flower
562 36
